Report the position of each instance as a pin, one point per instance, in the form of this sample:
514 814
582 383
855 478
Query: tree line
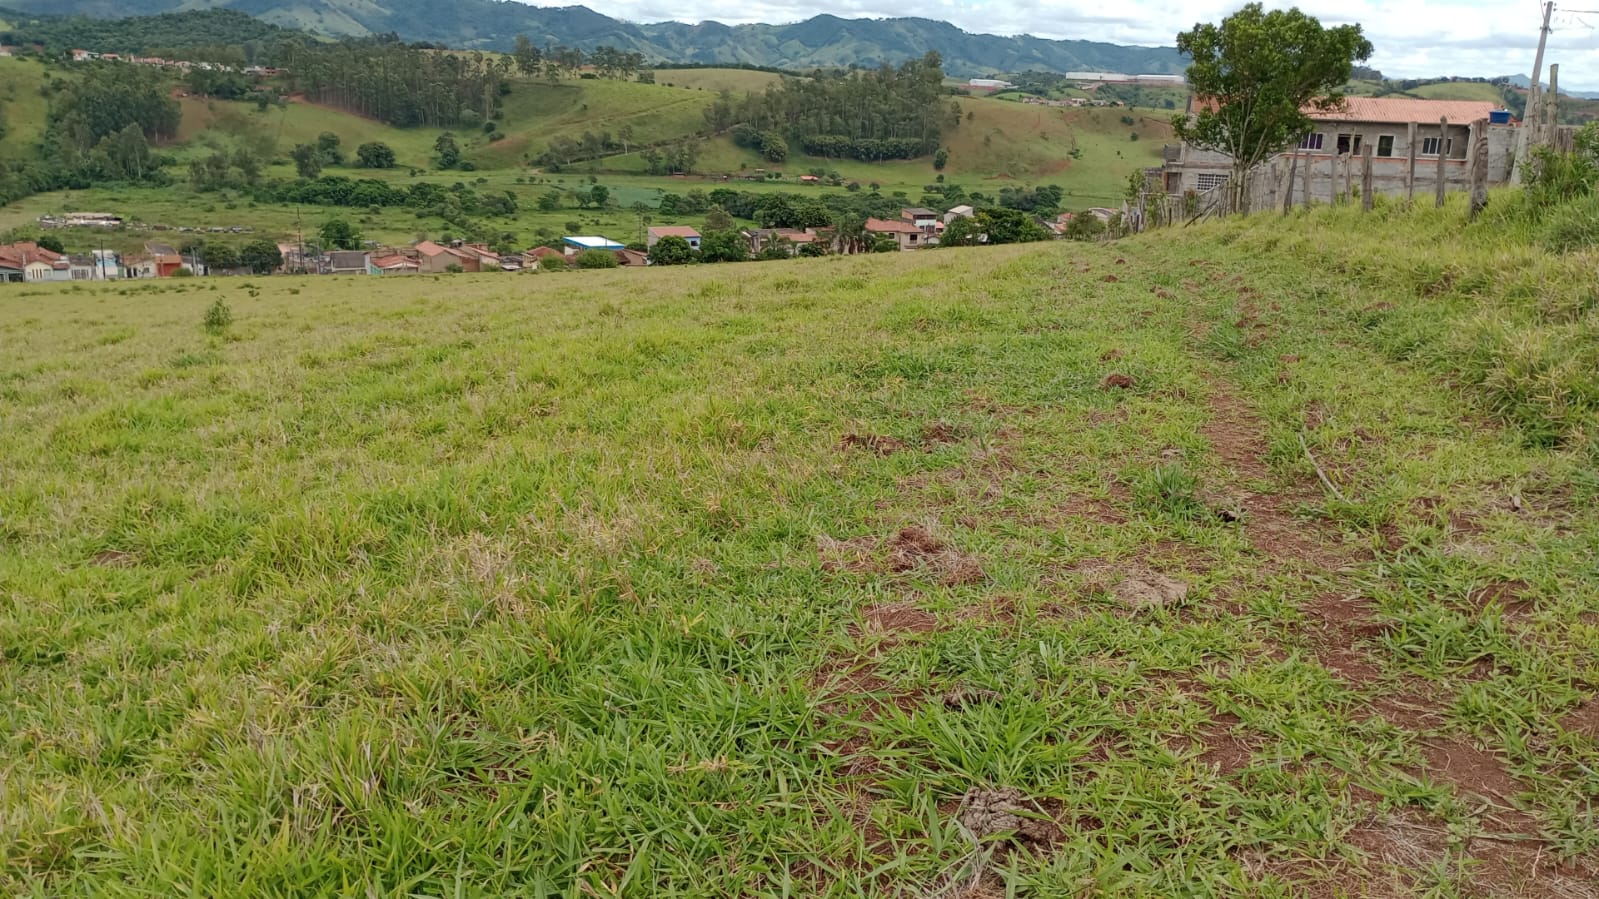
99 129
396 83
876 114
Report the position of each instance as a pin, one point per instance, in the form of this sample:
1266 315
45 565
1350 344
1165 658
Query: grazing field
1252 559
22 105
739 81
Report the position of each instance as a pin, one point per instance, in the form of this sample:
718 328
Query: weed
218 316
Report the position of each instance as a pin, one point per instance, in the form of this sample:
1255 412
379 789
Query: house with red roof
1406 138
436 259
906 234
657 232
35 263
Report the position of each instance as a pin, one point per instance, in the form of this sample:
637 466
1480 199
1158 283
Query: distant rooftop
593 243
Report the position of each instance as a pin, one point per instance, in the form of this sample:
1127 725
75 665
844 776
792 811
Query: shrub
596 259
217 317
552 264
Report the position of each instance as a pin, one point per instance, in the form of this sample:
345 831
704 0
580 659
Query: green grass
739 81
24 108
614 583
1459 91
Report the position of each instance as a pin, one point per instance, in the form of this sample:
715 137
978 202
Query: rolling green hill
1250 559
821 41
23 107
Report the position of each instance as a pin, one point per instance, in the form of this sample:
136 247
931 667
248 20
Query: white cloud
1418 38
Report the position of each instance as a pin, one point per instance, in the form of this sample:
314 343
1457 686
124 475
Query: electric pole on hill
1532 94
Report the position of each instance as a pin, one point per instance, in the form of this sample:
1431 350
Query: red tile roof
1404 110
883 226
1394 110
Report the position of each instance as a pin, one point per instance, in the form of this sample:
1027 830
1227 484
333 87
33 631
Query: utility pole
1532 93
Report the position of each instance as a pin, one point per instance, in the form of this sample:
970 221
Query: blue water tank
1499 117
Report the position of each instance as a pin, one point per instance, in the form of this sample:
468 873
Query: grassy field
1459 91
739 81
23 106
797 582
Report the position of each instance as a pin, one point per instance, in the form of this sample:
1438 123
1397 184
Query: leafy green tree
375 155
723 246
261 256
717 219
50 242
528 57
1010 226
219 256
339 234
248 164
549 201
1258 71
553 264
599 195
940 159
960 232
447 153
671 251
307 162
596 259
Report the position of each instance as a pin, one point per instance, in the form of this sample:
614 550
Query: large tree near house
1254 75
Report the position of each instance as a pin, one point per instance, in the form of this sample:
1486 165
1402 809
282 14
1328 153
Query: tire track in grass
1508 860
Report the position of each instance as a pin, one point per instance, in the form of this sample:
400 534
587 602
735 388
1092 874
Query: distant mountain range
824 40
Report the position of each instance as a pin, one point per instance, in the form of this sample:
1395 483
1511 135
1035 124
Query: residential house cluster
182 64
1070 102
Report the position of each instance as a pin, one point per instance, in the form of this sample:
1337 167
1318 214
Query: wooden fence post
1479 167
1310 163
1552 101
1365 179
1293 170
1410 169
1443 151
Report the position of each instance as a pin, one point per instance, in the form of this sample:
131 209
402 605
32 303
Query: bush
553 264
218 317
671 251
596 259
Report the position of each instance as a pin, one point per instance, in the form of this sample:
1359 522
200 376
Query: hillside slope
669 582
821 41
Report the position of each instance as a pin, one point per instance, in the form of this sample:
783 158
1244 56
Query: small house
392 264
925 219
657 232
575 245
626 257
167 260
435 259
349 262
794 238
82 266
907 235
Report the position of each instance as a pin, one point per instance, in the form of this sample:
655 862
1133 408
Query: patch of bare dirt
1470 769
1584 720
1146 589
939 433
1117 381
1224 750
1111 355
1110 279
896 618
880 444
115 558
915 548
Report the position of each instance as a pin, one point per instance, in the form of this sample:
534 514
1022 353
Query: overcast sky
1414 38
